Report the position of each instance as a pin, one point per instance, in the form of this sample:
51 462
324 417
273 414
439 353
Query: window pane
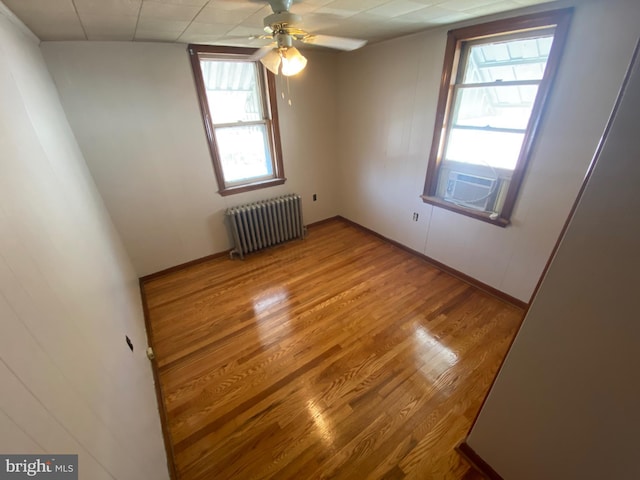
233 92
498 107
244 152
523 59
495 149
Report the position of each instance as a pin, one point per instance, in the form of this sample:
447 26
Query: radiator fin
262 224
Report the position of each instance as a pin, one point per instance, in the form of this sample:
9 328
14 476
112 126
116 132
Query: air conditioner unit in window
469 190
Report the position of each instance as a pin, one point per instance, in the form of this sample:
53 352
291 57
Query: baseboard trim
322 222
476 461
168 444
446 268
441 266
176 268
197 261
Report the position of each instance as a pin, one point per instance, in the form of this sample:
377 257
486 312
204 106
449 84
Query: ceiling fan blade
339 43
261 52
243 40
240 37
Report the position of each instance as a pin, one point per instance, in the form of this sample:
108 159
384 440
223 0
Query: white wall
565 403
134 110
388 96
68 294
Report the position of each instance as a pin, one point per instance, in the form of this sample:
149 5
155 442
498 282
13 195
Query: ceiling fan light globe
272 61
292 62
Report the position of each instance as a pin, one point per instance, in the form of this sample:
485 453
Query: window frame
453 63
267 85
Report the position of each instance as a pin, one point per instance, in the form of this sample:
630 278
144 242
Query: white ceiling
212 21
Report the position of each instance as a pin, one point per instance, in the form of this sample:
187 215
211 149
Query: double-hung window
495 80
239 109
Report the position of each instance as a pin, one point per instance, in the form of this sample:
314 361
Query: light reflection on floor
323 426
263 302
264 305
437 358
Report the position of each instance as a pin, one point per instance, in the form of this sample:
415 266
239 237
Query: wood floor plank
340 356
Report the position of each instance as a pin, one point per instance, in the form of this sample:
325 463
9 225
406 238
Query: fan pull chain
286 87
282 86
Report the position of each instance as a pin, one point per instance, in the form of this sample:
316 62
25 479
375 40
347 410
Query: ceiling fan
283 27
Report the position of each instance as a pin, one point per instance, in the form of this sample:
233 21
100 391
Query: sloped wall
564 404
68 293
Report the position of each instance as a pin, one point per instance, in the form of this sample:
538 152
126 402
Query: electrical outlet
315 197
129 342
415 217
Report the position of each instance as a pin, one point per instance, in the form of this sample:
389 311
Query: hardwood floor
340 356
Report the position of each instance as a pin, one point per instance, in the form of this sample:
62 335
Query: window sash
506 83
488 129
265 121
453 124
457 102
227 167
258 88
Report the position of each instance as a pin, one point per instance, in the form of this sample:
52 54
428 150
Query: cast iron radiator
268 222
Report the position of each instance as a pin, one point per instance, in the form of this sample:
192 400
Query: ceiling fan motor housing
281 21
283 40
280 5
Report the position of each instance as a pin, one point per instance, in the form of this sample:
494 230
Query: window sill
483 216
272 182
